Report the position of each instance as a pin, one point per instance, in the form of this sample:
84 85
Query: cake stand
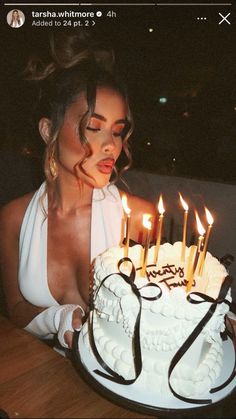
130 396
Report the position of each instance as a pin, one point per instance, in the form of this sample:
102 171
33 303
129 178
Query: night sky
162 52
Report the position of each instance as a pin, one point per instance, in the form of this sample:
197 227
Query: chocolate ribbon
190 340
136 336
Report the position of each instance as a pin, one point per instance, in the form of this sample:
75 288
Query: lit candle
201 232
210 221
185 206
191 253
161 210
148 225
127 211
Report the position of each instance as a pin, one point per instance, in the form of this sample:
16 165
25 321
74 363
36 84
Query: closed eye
120 130
93 129
115 134
118 134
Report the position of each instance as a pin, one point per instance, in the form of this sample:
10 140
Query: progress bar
156 4
117 4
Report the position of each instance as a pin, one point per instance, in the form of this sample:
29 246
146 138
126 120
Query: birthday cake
150 328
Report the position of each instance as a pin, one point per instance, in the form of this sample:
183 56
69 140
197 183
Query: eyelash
93 129
115 134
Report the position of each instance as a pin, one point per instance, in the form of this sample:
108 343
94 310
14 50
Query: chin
102 181
97 182
101 184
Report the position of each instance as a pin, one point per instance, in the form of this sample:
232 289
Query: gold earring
53 168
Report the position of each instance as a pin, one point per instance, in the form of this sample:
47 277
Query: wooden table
37 382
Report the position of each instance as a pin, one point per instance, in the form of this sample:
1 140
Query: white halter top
106 219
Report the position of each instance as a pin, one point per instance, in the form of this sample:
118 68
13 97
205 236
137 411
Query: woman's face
103 132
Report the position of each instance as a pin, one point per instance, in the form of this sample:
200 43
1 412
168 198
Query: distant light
186 114
235 108
162 99
148 143
150 30
26 151
173 159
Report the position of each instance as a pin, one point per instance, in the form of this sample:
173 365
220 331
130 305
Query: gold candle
193 269
148 225
161 210
185 206
127 211
210 221
191 253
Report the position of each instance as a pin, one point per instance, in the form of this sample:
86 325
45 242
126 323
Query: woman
16 19
52 235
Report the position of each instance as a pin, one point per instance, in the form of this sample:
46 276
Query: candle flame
200 227
209 217
184 204
125 205
146 222
161 208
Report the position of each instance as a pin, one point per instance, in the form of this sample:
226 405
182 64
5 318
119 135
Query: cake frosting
149 330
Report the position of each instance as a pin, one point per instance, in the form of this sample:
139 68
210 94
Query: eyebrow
102 118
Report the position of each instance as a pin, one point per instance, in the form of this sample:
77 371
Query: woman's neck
69 197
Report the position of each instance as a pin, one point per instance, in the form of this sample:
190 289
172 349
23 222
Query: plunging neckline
106 216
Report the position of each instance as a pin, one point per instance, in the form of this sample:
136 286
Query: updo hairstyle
75 64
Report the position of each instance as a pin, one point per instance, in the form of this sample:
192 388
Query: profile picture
15 18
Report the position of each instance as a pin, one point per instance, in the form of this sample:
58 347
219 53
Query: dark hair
76 63
18 17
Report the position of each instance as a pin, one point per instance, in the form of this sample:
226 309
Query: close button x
224 19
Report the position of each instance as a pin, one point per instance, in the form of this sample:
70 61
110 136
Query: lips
105 166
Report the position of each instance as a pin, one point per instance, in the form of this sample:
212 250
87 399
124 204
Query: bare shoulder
143 205
140 205
11 214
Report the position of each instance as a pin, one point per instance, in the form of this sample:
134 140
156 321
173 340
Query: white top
16 23
107 213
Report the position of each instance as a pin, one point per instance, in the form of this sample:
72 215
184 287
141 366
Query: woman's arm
20 311
61 319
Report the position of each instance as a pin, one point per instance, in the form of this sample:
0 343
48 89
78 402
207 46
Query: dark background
190 62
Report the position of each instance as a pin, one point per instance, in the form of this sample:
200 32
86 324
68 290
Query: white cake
165 323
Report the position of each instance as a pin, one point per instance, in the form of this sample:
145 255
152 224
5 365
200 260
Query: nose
108 144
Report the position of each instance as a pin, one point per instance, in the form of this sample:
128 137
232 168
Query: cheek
69 143
119 148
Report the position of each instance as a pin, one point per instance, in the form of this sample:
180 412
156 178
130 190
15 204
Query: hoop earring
53 168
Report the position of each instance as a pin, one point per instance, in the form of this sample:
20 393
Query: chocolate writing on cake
172 276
